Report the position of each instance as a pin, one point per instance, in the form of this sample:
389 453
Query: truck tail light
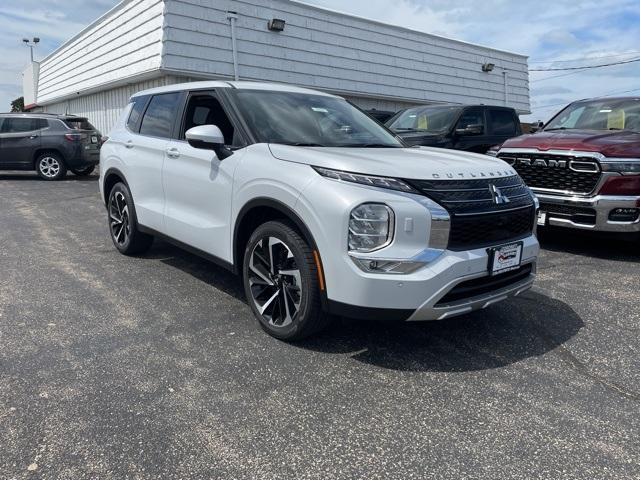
623 185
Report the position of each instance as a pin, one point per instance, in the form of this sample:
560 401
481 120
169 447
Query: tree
17 105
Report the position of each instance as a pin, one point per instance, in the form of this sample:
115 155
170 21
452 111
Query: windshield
425 119
599 115
310 120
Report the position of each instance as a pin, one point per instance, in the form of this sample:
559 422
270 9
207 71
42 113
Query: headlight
370 227
371 180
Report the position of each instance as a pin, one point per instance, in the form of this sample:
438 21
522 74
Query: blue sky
552 33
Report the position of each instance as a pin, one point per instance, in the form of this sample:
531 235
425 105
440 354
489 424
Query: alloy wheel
119 218
275 282
49 167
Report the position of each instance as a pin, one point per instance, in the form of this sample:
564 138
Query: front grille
584 215
484 285
553 172
476 231
476 219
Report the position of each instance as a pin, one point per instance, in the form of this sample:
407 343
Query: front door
472 143
198 186
19 141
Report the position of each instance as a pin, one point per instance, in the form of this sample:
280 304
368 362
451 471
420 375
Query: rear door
149 130
503 125
19 141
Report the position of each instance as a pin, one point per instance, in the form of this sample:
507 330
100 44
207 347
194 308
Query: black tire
295 311
84 172
50 166
123 222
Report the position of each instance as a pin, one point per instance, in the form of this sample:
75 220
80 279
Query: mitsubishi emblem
497 196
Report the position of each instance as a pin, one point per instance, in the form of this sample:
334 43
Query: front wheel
123 223
83 172
281 282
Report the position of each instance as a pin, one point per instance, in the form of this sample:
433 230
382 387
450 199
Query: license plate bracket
542 218
505 258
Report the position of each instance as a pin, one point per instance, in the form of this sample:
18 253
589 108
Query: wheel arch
256 212
111 177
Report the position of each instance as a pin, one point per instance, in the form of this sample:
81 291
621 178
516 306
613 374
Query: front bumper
561 212
423 294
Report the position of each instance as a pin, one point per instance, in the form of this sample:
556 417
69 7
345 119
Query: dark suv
49 144
474 128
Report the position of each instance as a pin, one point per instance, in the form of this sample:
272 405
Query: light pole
31 44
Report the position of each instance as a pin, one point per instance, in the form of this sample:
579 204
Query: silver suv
319 208
49 144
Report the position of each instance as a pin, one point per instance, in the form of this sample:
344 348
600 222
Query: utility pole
31 44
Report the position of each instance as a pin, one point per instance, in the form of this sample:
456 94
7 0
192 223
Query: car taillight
73 137
623 185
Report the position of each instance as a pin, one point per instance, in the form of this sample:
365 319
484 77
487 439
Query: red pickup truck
584 165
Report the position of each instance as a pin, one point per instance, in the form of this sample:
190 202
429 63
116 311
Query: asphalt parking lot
153 367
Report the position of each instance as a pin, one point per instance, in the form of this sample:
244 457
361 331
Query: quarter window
136 113
502 122
160 114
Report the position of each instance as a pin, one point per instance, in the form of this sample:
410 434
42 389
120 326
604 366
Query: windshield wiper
299 144
369 145
557 128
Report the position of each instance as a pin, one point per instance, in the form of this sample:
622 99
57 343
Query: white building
144 43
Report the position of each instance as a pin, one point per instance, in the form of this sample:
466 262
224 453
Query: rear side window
502 122
78 124
17 125
136 112
160 115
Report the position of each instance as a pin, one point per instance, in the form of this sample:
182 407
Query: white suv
321 209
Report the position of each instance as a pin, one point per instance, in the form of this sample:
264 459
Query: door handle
33 136
129 144
173 153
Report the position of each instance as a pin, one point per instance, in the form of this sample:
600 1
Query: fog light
387 266
624 214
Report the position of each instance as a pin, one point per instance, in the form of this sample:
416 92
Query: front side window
502 122
305 119
471 118
17 125
425 119
599 115
205 109
160 115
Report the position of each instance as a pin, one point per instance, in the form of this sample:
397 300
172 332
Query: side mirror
536 127
208 137
474 129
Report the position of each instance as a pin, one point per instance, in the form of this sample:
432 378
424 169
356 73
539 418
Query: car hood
411 163
609 143
421 138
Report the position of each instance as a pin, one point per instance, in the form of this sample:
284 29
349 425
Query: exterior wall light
276 25
488 67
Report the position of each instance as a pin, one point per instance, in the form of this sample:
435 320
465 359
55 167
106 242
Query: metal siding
125 43
338 53
103 108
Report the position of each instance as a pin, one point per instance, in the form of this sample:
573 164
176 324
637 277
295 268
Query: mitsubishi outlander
319 208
